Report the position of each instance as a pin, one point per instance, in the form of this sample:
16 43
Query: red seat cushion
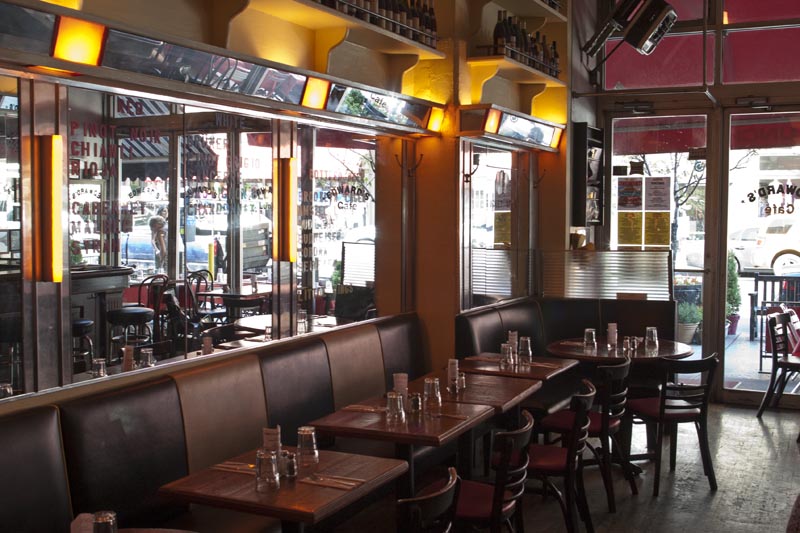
475 501
547 459
648 408
562 421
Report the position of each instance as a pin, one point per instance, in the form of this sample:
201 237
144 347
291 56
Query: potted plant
689 316
733 298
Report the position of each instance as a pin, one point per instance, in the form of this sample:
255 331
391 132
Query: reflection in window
736 11
776 60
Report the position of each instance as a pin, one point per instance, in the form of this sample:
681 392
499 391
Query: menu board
658 194
629 194
657 228
629 226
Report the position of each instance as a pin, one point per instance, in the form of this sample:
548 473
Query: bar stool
135 318
82 345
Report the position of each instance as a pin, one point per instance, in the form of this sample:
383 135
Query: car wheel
786 263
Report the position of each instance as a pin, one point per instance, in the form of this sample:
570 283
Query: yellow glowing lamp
50 265
492 121
315 94
79 41
556 138
436 119
284 210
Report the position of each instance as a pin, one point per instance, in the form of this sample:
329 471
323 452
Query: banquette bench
545 320
114 449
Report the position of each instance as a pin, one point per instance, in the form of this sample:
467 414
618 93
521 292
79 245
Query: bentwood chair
432 511
204 308
566 461
679 403
604 424
780 329
494 505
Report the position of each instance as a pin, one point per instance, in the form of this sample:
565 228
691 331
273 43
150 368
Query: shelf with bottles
552 10
512 69
376 24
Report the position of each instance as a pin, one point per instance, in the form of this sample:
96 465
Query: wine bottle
498 36
414 21
433 25
403 17
554 60
511 38
383 11
545 67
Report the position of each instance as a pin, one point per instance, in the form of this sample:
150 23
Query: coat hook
412 170
468 175
537 182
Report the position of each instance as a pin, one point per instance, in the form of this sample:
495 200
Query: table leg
405 483
466 454
287 526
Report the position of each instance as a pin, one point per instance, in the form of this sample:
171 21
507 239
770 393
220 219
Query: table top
502 393
573 348
243 343
258 323
541 368
300 500
418 429
244 295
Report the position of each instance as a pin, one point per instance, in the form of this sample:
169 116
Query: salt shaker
104 522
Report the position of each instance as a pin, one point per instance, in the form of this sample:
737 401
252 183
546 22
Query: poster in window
629 194
502 227
658 193
629 226
656 229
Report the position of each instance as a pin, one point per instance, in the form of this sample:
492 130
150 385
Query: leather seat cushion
121 446
35 492
130 315
400 343
547 459
223 410
648 408
478 331
356 363
475 501
297 380
562 422
203 519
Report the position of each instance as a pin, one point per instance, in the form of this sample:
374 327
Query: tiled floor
757 464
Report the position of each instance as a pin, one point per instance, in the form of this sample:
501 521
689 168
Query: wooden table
541 368
456 421
297 503
501 393
573 349
258 323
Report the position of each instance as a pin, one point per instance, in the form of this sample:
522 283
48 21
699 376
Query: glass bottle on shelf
499 34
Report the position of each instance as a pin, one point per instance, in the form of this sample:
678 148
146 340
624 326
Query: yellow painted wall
287 43
188 19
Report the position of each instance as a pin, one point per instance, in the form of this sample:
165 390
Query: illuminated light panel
556 138
51 150
436 119
72 4
316 93
284 211
79 41
492 121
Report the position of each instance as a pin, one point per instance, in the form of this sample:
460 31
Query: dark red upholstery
648 408
547 459
475 501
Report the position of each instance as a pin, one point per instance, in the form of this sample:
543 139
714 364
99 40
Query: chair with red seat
679 403
779 326
604 424
566 461
491 506
432 511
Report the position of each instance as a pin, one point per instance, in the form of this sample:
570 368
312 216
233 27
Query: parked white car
778 245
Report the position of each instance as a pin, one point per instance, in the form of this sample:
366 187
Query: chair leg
768 393
603 457
625 462
705 454
659 446
583 505
782 380
673 446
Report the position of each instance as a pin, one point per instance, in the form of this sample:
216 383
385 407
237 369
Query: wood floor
758 471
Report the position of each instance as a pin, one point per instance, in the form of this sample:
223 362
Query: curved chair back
512 467
780 326
678 396
431 512
580 404
612 392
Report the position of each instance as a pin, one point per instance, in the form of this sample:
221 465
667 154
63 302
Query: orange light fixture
556 137
492 121
284 210
50 256
435 119
79 41
315 94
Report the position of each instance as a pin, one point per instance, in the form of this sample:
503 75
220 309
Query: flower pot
685 332
734 323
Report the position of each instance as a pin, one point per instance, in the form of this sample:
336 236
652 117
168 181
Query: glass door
763 243
658 201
